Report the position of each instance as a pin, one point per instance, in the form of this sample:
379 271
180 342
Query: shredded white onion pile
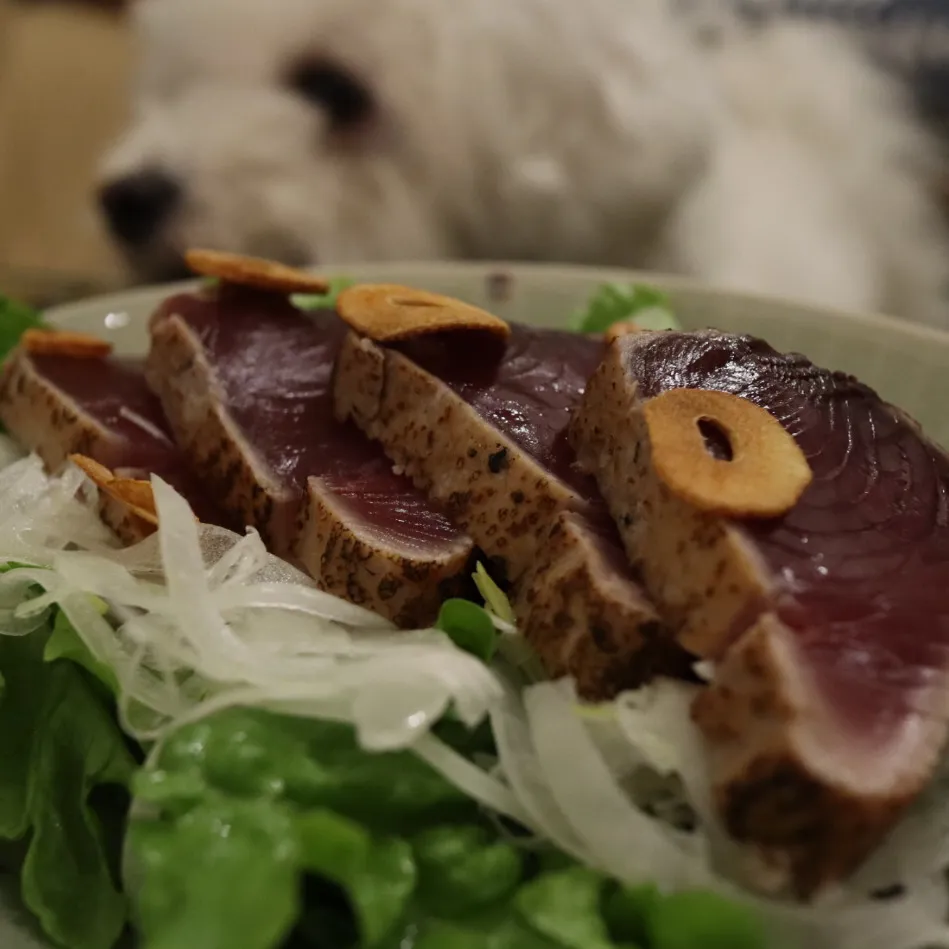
199 619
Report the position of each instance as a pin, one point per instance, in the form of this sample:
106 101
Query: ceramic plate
905 363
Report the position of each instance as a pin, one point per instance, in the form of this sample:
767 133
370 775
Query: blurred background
65 73
65 67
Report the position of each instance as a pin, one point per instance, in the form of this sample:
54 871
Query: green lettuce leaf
20 709
60 747
463 868
626 909
224 877
248 806
378 874
502 930
565 907
251 829
67 878
251 825
469 626
495 600
311 764
693 918
322 301
14 319
64 643
614 303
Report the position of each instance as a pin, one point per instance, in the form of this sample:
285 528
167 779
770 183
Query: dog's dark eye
345 100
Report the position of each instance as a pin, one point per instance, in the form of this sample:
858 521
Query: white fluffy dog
767 157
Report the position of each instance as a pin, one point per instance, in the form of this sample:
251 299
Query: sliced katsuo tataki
62 393
792 528
244 377
475 411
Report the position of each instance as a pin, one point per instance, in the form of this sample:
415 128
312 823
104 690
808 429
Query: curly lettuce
252 829
64 770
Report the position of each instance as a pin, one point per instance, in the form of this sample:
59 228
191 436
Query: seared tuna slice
480 425
828 625
102 407
244 378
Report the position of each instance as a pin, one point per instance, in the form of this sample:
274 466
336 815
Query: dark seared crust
124 523
585 619
369 570
45 420
706 580
809 813
242 484
583 615
486 484
316 533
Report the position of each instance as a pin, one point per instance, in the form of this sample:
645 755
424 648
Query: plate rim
540 273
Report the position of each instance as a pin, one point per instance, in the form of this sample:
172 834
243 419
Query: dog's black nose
137 205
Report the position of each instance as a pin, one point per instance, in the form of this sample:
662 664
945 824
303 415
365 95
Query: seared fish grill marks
58 404
829 625
244 378
480 425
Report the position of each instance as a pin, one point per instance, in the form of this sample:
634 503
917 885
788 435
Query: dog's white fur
625 132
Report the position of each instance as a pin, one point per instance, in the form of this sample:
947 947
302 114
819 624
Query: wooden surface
64 78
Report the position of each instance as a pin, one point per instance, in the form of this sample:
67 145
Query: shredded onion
468 777
621 840
520 766
208 619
